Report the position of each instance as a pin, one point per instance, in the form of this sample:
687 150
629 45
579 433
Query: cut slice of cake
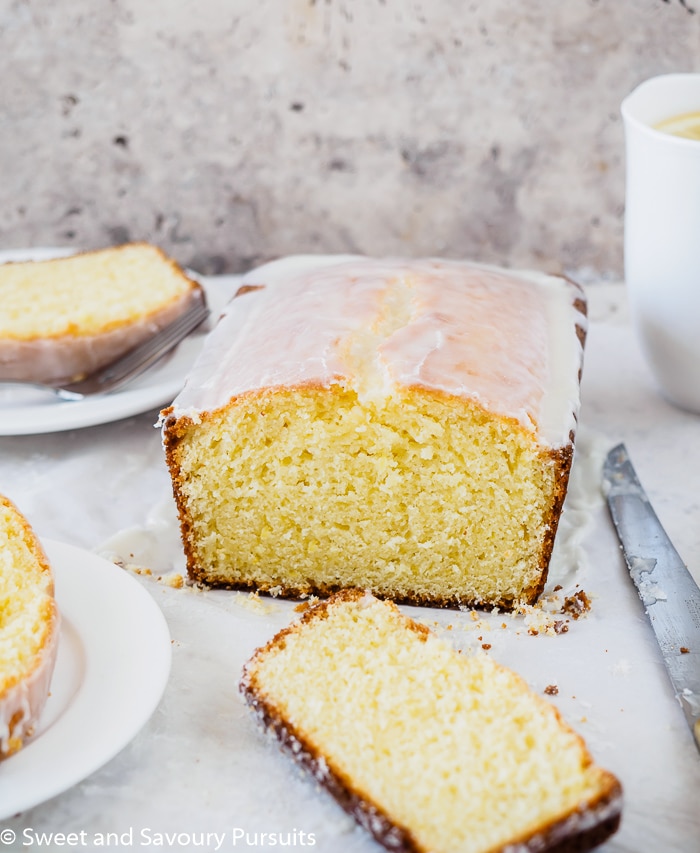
429 749
400 426
64 318
29 625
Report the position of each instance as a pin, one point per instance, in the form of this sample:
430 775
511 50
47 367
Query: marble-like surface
229 132
199 765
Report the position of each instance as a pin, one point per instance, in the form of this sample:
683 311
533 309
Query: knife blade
668 591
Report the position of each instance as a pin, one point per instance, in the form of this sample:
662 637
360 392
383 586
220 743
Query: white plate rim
125 669
155 388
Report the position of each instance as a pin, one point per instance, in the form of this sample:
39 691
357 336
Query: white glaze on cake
29 628
22 703
377 325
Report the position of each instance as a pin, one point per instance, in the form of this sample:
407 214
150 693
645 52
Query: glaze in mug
662 233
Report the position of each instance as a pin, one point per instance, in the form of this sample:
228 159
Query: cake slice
29 624
64 318
400 426
428 749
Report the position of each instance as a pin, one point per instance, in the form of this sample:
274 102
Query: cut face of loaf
63 319
29 624
429 749
403 427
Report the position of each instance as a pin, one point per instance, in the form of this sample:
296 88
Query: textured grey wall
229 131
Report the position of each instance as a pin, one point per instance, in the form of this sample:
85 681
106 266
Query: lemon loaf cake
29 623
64 318
400 426
429 749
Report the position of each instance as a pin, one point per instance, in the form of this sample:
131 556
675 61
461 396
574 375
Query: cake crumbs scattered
174 581
542 618
252 601
685 650
540 621
577 604
551 690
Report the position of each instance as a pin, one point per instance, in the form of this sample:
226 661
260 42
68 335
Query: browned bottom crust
327 590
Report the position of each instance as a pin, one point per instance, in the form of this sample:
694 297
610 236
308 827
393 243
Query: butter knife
667 589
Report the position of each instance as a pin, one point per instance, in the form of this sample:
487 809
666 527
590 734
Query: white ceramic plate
112 667
155 388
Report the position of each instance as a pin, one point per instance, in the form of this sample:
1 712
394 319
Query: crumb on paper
685 650
174 581
576 605
551 690
253 602
539 621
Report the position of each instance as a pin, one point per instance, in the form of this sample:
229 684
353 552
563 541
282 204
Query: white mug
662 234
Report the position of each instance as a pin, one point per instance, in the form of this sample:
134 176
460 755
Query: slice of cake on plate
64 318
29 625
427 748
401 426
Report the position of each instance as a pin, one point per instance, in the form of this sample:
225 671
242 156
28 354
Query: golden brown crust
562 459
174 430
22 697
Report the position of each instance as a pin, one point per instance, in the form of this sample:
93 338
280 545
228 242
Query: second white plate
156 387
112 667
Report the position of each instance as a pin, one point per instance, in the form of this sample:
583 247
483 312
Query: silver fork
127 367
